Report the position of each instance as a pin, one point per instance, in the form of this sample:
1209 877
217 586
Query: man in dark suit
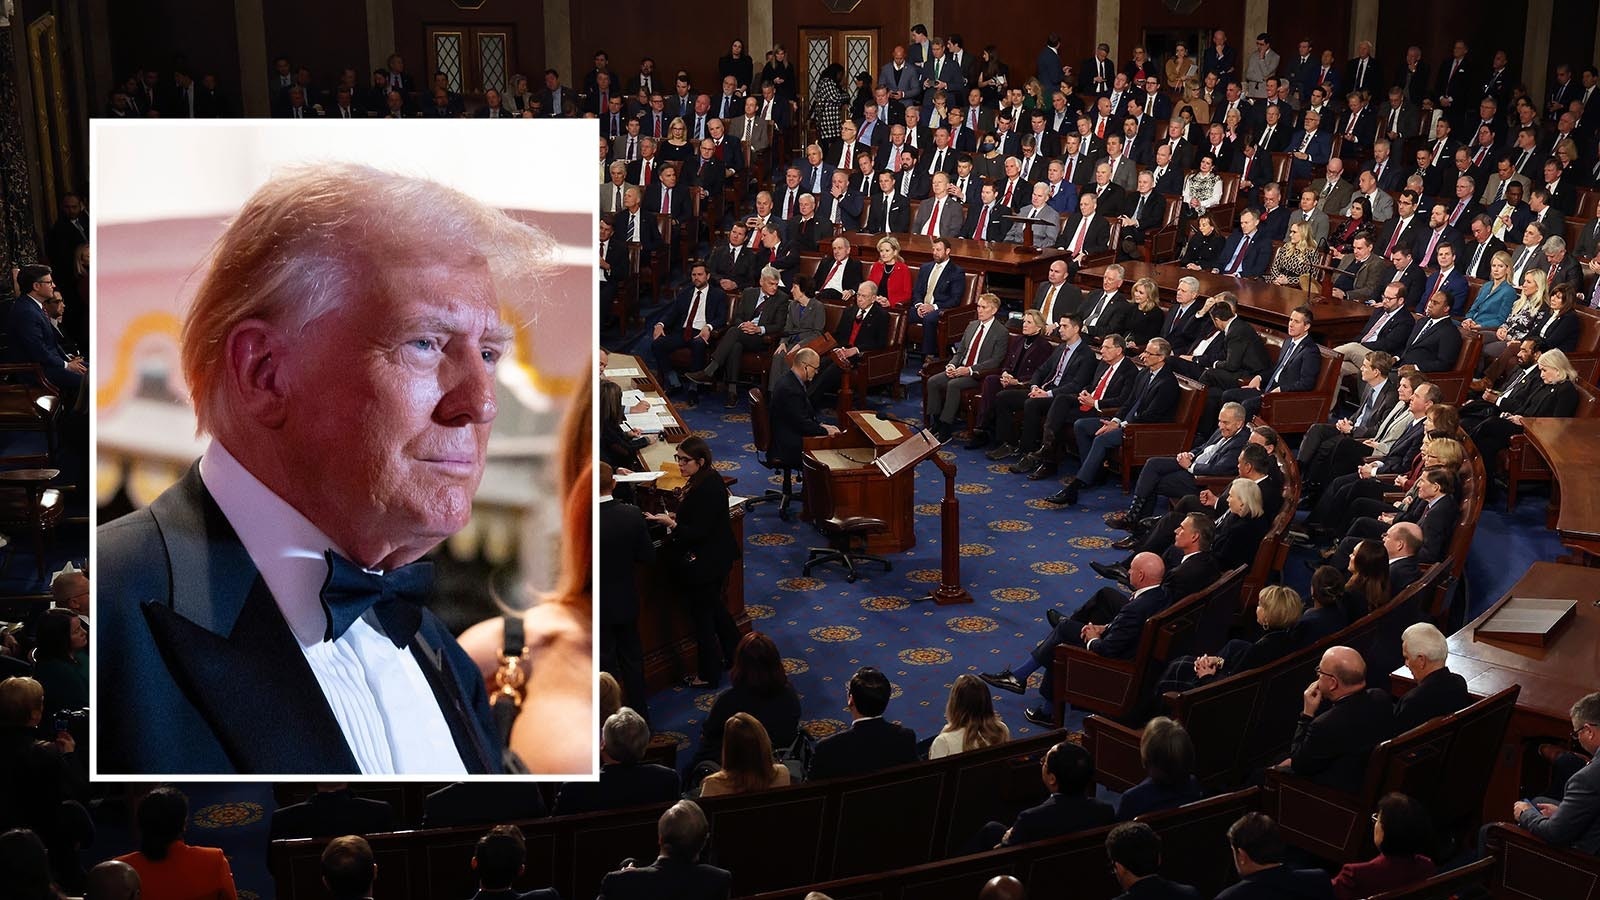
1480 253
1068 773
625 778
1363 273
1174 476
840 204
939 286
761 311
1146 211
1245 253
871 742
1116 639
31 337
484 802
1402 541
986 219
732 264
625 541
273 542
1309 147
614 268
500 857
1066 372
1339 724
682 832
1299 364
1435 340
1449 280
1438 691
890 210
635 224
1088 231
1258 852
1244 356
1154 398
1134 849
333 810
863 329
1571 821
791 415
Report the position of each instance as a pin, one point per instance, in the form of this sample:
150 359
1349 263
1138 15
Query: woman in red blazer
168 868
892 274
1403 833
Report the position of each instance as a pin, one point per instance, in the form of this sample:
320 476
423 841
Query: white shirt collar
284 545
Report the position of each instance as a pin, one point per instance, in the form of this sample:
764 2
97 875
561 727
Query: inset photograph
343 478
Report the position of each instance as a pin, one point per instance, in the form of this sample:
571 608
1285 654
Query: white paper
637 476
646 423
624 372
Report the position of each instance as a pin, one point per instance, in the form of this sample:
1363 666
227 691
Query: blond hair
317 238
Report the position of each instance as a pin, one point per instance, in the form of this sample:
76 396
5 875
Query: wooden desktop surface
1572 447
989 257
1552 678
1259 301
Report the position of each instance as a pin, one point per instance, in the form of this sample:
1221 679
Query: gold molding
39 31
50 107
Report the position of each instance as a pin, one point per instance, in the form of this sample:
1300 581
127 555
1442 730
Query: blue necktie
396 596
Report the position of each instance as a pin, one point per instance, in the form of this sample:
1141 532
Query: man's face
791 177
1058 272
669 177
1111 282
1247 223
1438 306
1393 297
885 182
1163 156
1362 248
881 95
763 204
737 235
396 453
699 276
1298 325
1041 194
941 252
985 310
1438 217
1185 295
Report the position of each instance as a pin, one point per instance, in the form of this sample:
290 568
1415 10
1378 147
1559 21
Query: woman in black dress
759 686
702 550
736 63
1205 244
1556 398
780 73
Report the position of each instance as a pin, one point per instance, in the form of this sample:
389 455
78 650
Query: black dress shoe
732 401
1053 616
978 440
1043 720
1067 496
1045 470
1121 520
1005 681
1110 571
1004 451
1127 543
1026 464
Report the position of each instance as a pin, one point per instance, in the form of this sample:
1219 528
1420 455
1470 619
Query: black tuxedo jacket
624 541
866 746
199 673
1440 694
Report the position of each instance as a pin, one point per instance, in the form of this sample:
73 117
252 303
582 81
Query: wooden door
854 48
474 58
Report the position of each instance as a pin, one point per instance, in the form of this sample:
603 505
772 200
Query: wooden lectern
903 459
1027 232
842 480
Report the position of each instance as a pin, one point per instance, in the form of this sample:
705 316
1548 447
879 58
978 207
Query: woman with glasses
701 550
1402 831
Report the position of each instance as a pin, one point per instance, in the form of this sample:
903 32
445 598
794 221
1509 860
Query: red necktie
1072 167
666 201
855 329
1010 187
645 167
982 233
1394 238
688 324
658 126
1460 205
1099 389
838 264
1078 238
933 220
977 341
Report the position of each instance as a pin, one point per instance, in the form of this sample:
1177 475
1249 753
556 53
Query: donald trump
265 614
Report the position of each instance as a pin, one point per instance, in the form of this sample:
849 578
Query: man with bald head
112 880
1117 638
1002 887
1340 723
1402 541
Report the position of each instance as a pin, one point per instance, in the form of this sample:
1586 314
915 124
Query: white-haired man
1439 691
264 614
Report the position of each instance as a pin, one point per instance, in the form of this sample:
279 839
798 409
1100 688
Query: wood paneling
665 32
1435 25
412 17
889 16
1018 38
1153 15
1325 25
156 33
324 36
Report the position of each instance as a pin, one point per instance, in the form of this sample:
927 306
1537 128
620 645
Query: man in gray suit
750 126
1362 273
1333 191
1315 219
1381 203
983 346
1573 819
1046 220
612 192
951 213
762 311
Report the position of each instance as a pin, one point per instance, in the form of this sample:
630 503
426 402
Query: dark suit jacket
674 314
1239 537
1080 369
483 802
1190 576
1317 623
702 529
1281 883
508 894
1246 356
1255 260
994 229
1435 351
1440 694
899 214
1563 335
1184 331
742 271
1153 398
874 334
1121 637
193 639
1437 522
33 339
792 418
1333 748
1059 815
1154 887
625 541
866 746
620 784
667 878
1096 240
1300 374
947 293
330 814
649 234
850 206
1394 335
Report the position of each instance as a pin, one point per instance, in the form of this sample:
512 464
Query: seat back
760 425
1294 412
1446 885
1529 867
1431 763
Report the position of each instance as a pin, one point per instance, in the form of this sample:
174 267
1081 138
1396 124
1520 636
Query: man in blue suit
1309 147
1449 279
938 287
1154 399
1299 363
265 614
1246 253
691 320
33 339
1435 340
1116 639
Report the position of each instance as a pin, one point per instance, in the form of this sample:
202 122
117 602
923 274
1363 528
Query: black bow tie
396 595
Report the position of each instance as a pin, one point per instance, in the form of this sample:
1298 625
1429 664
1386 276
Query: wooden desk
1261 302
989 257
840 480
1572 447
1552 678
664 626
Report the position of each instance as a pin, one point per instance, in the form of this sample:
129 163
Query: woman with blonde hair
747 761
1148 315
892 274
1492 306
1278 609
676 147
1240 533
1556 397
970 720
1533 301
1296 258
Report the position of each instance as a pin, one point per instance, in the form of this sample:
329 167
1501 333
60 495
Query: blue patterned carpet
1020 556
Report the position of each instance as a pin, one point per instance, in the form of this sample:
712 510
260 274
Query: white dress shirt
377 691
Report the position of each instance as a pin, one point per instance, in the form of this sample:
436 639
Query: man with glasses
1573 818
792 415
1339 724
33 339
